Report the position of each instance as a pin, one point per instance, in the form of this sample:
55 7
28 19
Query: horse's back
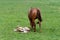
33 13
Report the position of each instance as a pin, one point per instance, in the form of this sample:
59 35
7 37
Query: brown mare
34 13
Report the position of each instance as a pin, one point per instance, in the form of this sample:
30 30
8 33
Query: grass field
14 12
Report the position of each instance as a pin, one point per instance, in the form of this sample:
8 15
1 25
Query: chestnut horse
34 13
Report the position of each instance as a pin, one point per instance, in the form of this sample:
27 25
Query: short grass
14 12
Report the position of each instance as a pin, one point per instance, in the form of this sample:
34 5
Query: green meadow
15 12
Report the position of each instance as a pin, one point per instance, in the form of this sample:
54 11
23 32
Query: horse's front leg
31 24
34 25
